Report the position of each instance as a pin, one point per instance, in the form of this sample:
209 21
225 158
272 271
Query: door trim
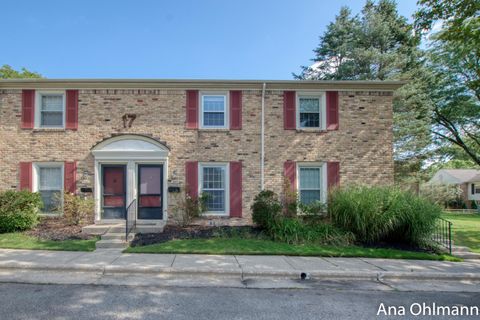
102 185
162 189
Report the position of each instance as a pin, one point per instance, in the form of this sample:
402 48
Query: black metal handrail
443 234
130 218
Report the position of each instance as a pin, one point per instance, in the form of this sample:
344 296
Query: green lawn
259 247
466 230
18 240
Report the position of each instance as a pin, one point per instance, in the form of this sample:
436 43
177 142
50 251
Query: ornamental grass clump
383 214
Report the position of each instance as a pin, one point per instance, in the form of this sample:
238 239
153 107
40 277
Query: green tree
454 60
456 105
7 72
379 44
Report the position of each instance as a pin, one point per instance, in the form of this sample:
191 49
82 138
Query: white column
131 181
97 191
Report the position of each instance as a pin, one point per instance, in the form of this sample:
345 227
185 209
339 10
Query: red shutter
70 177
333 174
235 110
332 110
289 112
28 108
236 189
192 109
191 178
25 176
72 110
290 172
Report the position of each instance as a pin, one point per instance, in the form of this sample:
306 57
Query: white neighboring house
467 179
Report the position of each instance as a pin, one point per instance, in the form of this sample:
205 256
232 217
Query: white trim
321 95
35 178
38 105
130 154
98 185
226 116
473 196
226 165
164 190
323 178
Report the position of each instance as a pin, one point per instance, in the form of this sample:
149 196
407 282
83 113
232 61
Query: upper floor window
50 110
214 111
311 111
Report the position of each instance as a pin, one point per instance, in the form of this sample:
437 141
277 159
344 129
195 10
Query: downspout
262 139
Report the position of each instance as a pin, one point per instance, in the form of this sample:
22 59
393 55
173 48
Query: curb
165 271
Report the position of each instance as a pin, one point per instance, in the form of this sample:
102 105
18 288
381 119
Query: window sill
49 129
312 130
214 215
50 214
214 129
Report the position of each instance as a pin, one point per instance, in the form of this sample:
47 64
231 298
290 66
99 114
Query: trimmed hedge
383 214
19 210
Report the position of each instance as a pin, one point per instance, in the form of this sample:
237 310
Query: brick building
152 140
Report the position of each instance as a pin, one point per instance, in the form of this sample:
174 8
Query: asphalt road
52 302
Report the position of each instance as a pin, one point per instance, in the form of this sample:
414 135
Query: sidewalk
15 265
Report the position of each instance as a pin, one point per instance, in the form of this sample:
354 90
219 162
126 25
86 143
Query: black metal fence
443 234
131 218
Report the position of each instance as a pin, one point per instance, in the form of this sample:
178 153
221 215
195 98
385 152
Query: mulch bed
399 246
172 232
56 228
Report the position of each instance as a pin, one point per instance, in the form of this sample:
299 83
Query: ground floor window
214 186
50 185
310 183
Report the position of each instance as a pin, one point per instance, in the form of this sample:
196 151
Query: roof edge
197 83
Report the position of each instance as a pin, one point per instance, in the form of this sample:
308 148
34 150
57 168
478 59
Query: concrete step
467 255
149 228
117 236
99 229
117 229
111 244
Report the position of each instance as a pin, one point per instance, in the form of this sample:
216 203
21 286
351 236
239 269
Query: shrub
281 225
265 208
376 214
19 210
290 199
474 204
189 208
77 210
296 231
316 208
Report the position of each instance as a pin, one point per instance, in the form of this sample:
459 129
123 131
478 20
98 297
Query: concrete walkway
113 261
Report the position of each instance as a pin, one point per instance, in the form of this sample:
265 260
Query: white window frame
36 178
323 109
323 178
226 114
476 187
226 166
38 107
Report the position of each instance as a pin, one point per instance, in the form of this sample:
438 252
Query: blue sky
229 39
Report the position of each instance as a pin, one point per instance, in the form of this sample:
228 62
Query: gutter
262 139
180 84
